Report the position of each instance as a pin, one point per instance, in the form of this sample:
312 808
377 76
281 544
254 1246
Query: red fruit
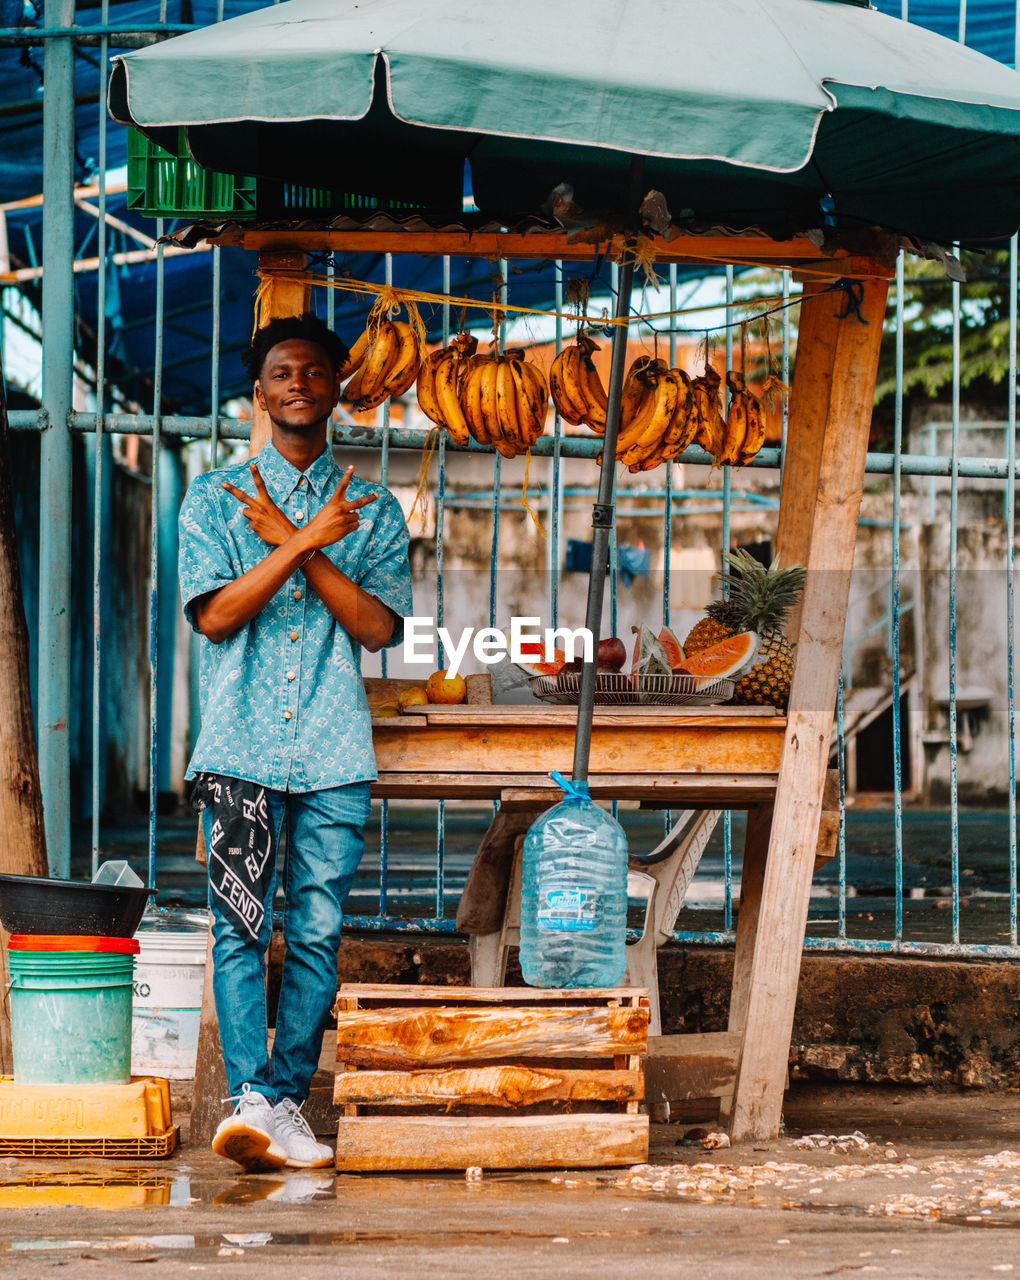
612 654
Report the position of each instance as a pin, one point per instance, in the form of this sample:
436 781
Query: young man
288 567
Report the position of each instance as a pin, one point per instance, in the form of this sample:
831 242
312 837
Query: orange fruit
415 697
387 709
440 688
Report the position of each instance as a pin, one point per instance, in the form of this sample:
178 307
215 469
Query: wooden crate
502 1078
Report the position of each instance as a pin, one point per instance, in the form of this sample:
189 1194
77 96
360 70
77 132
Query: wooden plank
377 1143
479 748
403 1039
679 1068
862 255
614 717
828 825
354 995
483 899
844 411
656 790
509 1085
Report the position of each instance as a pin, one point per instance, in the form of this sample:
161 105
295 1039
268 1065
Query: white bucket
167 1005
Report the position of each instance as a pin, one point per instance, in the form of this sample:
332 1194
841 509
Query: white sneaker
295 1134
248 1137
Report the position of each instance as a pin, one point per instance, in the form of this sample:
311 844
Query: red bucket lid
71 942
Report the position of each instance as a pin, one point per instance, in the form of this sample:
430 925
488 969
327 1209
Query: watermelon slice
674 649
650 656
534 663
719 661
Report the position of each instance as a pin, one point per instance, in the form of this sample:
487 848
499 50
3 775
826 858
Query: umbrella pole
603 513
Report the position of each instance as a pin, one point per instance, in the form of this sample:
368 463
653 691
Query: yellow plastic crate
84 1113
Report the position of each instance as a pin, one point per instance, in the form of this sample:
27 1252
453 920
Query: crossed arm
365 619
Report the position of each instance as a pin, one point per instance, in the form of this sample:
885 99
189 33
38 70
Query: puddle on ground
114 1190
227 1243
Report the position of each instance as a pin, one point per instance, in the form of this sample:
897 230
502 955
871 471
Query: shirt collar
282 477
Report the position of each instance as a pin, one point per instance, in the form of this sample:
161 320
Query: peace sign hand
338 517
261 512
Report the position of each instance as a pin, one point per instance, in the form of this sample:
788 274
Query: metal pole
603 516
55 446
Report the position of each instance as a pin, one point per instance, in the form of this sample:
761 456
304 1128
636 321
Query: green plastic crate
164 185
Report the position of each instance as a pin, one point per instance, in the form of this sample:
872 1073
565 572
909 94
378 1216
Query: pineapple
759 600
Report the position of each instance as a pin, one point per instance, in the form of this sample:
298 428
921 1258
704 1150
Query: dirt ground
898 1183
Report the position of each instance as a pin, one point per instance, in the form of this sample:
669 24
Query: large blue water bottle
574 895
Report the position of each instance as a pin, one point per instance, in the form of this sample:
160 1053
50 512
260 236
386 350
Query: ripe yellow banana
684 424
632 431
382 354
448 372
755 437
352 392
355 357
532 402
408 361
590 385
471 398
427 401
568 404
650 440
506 408
711 423
736 421
490 411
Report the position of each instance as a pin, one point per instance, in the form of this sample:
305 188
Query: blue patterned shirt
282 699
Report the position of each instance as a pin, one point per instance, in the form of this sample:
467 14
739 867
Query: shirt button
290 675
293 635
297 595
288 715
299 515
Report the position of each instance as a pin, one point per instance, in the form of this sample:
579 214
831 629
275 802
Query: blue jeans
325 841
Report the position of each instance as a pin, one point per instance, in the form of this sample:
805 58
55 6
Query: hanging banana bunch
505 401
657 415
383 362
708 406
576 387
744 434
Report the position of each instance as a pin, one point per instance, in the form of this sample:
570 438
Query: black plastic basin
33 904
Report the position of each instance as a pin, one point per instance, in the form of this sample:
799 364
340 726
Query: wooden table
664 757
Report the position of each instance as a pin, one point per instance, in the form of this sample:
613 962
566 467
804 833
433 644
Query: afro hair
307 328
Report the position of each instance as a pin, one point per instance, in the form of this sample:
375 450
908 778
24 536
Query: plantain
352 392
448 372
532 404
590 385
711 423
471 398
684 426
651 438
383 350
736 421
755 437
490 415
570 404
631 431
506 409
427 401
408 361
355 357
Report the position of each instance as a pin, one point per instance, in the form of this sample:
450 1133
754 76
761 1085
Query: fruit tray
619 689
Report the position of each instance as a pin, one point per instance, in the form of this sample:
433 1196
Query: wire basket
617 689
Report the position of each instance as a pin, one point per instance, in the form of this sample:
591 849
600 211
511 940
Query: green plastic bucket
71 1016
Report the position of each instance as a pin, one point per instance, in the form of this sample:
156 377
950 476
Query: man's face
298 387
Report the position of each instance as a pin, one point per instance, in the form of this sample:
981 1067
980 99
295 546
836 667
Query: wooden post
285 298
830 417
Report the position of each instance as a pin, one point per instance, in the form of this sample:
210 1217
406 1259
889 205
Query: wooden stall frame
829 420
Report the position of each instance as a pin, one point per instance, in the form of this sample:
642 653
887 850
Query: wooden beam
862 256
512 1084
652 790
841 407
373 1143
682 1067
483 899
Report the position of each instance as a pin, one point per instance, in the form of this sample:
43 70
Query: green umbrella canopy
748 112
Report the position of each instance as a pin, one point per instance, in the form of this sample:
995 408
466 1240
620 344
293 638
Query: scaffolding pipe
55 445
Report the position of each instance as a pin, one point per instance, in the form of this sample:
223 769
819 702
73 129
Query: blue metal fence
699 493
